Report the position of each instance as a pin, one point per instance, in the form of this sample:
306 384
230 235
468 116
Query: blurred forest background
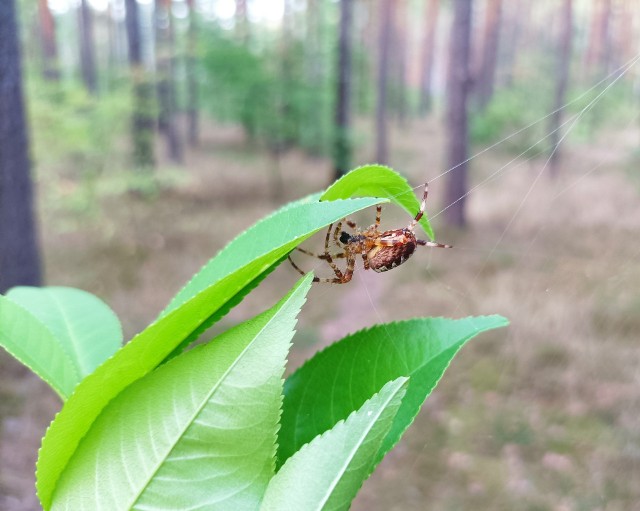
154 131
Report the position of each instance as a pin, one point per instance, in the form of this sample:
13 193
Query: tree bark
142 121
486 71
48 42
428 53
165 50
342 143
598 51
242 22
87 47
562 78
193 128
399 69
457 113
384 49
19 255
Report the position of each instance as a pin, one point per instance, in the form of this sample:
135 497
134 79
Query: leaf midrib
353 451
200 407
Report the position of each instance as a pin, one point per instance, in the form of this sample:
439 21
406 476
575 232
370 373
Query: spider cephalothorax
380 251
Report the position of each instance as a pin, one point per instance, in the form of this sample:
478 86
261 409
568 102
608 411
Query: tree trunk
598 51
142 119
515 15
562 78
384 49
48 42
19 258
87 47
486 71
342 144
399 71
242 22
457 113
193 131
165 50
428 53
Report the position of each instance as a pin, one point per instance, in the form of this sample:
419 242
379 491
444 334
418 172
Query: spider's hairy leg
301 272
378 216
320 256
365 260
336 232
433 244
423 204
328 257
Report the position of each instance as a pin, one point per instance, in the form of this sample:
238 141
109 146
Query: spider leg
365 260
301 272
320 256
327 255
336 233
378 216
351 264
433 244
350 223
343 279
422 206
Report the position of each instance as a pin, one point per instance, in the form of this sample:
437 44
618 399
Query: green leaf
30 341
281 231
378 181
327 473
339 379
197 433
86 327
230 274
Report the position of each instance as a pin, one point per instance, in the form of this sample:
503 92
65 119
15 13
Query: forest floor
543 415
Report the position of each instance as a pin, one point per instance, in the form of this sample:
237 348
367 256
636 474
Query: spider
380 251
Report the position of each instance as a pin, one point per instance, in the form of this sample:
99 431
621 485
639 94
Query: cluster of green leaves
78 135
150 425
269 92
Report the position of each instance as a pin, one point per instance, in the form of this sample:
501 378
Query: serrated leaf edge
65 354
402 383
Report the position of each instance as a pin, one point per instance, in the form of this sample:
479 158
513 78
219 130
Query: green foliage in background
155 425
278 102
78 135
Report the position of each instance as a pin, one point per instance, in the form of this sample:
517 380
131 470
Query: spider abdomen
401 245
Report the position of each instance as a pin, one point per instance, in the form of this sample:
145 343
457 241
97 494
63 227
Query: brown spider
381 251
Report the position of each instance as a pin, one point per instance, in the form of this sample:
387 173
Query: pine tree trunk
399 47
19 257
598 51
48 42
242 22
193 131
486 72
562 78
142 120
342 144
165 50
428 49
87 47
384 50
457 113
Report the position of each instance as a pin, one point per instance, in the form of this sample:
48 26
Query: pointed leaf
30 341
197 433
267 242
336 381
88 329
327 473
378 181
282 230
